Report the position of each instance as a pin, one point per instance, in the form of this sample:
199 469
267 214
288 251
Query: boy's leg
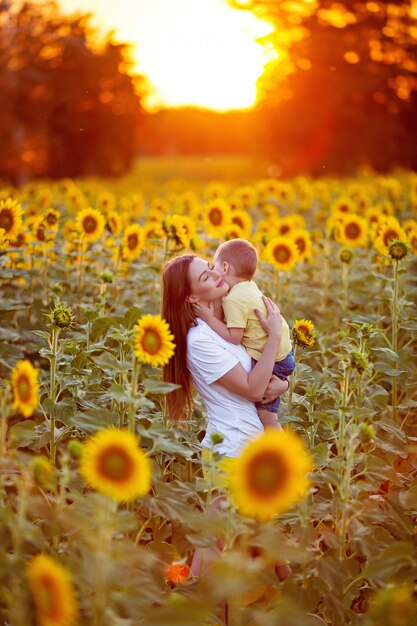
269 419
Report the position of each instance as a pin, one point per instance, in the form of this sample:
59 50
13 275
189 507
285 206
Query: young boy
237 261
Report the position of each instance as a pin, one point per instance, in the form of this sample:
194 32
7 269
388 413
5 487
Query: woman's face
207 284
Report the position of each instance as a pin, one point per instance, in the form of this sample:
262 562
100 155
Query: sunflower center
47 598
304 330
238 221
301 244
89 224
267 473
282 254
151 342
115 464
390 234
284 229
215 217
132 241
343 208
6 219
51 218
23 387
40 233
352 231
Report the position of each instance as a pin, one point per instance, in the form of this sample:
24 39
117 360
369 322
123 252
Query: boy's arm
234 335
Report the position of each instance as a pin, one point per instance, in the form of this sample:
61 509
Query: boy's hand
203 312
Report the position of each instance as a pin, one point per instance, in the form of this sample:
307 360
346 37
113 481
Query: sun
200 53
204 54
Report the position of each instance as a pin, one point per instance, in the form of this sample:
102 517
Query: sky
198 52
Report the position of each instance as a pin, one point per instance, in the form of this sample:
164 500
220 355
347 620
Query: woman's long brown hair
177 311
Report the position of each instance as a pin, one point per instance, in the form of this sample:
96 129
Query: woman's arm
252 386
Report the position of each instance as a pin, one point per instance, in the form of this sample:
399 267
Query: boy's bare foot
283 571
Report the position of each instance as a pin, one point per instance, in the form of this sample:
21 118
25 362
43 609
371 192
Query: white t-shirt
209 357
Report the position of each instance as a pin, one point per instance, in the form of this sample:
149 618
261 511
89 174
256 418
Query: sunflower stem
52 390
394 338
80 264
133 391
3 417
345 281
291 379
342 410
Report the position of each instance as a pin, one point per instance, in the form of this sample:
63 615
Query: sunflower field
103 500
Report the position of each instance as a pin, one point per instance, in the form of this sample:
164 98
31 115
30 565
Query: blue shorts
282 369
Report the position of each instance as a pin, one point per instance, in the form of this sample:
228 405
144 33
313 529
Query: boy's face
218 266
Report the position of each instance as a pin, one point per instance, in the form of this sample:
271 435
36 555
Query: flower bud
346 255
62 316
216 438
75 448
397 249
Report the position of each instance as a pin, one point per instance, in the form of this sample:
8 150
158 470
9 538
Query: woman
218 368
221 371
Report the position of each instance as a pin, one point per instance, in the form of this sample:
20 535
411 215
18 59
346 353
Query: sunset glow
193 52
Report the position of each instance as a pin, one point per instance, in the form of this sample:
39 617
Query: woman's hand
271 324
276 387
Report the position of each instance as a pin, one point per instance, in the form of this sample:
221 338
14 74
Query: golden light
193 52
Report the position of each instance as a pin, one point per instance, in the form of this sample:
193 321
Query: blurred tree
69 104
343 88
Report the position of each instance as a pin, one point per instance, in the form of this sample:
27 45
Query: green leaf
397 562
22 434
386 352
150 385
41 333
62 410
109 363
10 354
100 326
384 368
131 316
94 419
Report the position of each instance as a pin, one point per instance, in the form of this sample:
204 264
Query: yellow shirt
238 307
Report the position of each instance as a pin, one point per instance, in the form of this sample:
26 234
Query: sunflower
248 196
270 475
153 340
152 234
342 204
177 572
132 243
113 464
244 221
176 229
41 233
90 222
373 215
4 242
215 190
352 231
285 225
10 217
114 223
218 217
234 232
282 253
51 217
52 591
303 333
25 388
412 240
302 240
106 202
387 231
